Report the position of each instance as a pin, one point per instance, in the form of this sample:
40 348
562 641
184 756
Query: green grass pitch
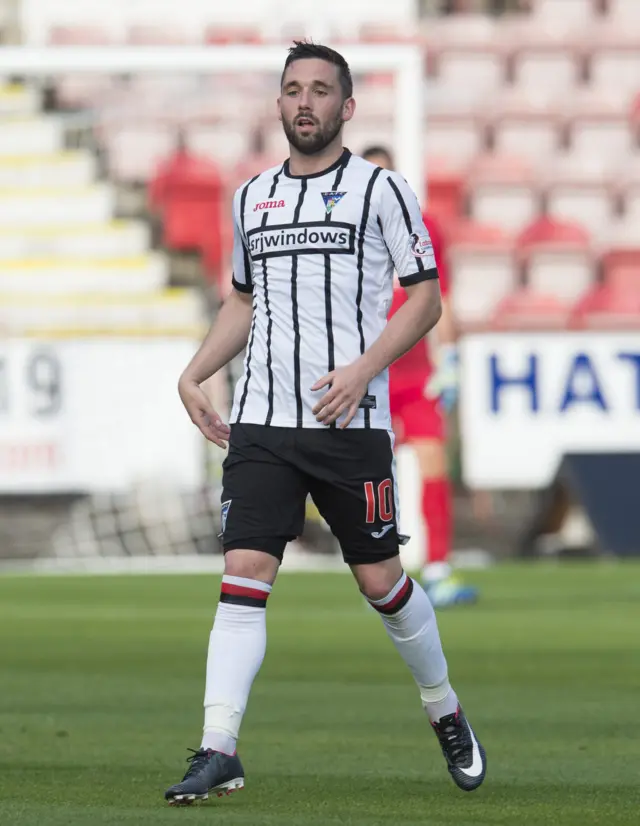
101 683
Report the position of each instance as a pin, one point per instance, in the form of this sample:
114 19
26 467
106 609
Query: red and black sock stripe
240 591
397 598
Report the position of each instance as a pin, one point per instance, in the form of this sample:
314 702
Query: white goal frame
405 61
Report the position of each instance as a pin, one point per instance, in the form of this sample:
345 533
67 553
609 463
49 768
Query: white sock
410 621
237 647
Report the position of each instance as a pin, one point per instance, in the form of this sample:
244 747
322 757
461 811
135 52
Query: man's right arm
226 338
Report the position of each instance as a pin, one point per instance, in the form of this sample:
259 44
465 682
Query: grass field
101 684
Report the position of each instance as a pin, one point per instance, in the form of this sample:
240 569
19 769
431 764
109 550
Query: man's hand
347 386
202 413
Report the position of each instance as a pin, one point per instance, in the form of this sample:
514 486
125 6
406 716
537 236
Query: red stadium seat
621 269
530 310
611 306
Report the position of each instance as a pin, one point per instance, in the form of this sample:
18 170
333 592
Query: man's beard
316 141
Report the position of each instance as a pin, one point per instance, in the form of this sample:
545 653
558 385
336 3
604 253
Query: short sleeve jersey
318 252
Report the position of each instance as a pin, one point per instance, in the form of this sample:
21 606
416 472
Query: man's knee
378 579
251 564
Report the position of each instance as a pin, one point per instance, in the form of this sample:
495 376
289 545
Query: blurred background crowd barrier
126 127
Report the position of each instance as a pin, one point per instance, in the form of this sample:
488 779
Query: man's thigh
351 479
263 493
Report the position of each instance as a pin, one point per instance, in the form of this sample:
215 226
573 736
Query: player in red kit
423 388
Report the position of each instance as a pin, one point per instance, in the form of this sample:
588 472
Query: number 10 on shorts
383 500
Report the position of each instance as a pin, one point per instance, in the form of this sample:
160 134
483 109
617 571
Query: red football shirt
412 370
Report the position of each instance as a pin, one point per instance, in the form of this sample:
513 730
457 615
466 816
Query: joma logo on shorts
268 205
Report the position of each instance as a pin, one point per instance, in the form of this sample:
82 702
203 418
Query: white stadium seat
529 137
481 278
64 169
116 239
456 138
564 273
615 68
85 205
603 137
16 100
589 205
134 153
553 69
55 276
171 310
570 10
508 206
31 136
482 71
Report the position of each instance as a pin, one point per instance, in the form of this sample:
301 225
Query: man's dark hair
304 49
378 149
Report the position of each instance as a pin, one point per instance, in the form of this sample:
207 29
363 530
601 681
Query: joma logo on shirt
310 238
268 205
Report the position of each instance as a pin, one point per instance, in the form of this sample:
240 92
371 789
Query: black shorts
349 473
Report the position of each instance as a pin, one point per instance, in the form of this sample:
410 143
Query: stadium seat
621 269
483 272
527 309
607 308
64 169
458 31
84 205
135 152
146 273
80 36
16 99
510 206
615 68
158 35
604 136
116 239
580 190
33 136
166 312
558 259
624 11
589 205
574 11
482 71
533 137
459 139
547 68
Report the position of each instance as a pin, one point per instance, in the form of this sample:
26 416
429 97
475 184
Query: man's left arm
410 246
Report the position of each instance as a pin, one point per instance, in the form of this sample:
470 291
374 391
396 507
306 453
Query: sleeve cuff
242 288
417 277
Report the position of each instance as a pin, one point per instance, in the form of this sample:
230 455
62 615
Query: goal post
404 61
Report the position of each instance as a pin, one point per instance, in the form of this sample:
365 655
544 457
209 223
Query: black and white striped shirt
318 252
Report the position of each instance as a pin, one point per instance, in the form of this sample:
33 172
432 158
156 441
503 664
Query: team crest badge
332 199
224 512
